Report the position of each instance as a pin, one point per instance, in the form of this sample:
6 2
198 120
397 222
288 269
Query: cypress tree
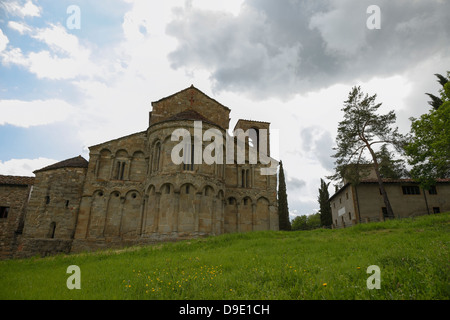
283 210
325 208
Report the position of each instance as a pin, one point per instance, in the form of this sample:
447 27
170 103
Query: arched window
156 157
245 178
120 170
121 163
51 232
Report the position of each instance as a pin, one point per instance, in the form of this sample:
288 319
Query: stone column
213 217
253 215
177 212
122 202
198 200
157 213
238 217
143 216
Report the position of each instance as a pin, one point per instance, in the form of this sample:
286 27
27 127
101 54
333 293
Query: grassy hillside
413 256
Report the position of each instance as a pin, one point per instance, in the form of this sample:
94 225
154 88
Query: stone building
361 203
14 195
131 191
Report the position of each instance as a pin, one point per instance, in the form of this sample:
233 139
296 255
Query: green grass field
412 254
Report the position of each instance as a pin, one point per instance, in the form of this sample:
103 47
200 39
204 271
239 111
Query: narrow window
52 230
350 216
247 178
122 170
4 212
118 170
156 157
187 189
47 199
67 203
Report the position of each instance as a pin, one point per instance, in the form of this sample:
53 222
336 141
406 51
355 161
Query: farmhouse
361 203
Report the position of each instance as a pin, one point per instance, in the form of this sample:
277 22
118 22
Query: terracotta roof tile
77 162
399 180
16 180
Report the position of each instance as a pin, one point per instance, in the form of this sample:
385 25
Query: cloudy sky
72 77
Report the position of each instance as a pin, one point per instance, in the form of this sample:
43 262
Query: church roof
77 162
188 88
16 180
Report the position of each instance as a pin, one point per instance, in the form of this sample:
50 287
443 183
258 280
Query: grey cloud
294 183
318 143
299 207
280 48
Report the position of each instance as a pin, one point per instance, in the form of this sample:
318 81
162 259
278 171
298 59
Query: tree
325 208
283 210
305 222
313 221
361 129
300 223
435 101
428 147
389 167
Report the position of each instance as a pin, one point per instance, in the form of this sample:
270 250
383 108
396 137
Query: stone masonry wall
53 208
15 197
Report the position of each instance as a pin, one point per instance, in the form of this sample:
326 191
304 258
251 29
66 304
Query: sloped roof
399 180
191 87
77 162
369 181
16 180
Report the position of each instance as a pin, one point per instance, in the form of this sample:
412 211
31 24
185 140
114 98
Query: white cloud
3 41
19 27
32 113
24 167
65 59
29 9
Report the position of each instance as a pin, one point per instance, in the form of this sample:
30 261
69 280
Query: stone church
131 191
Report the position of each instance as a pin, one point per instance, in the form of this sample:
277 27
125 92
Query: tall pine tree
325 208
283 210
